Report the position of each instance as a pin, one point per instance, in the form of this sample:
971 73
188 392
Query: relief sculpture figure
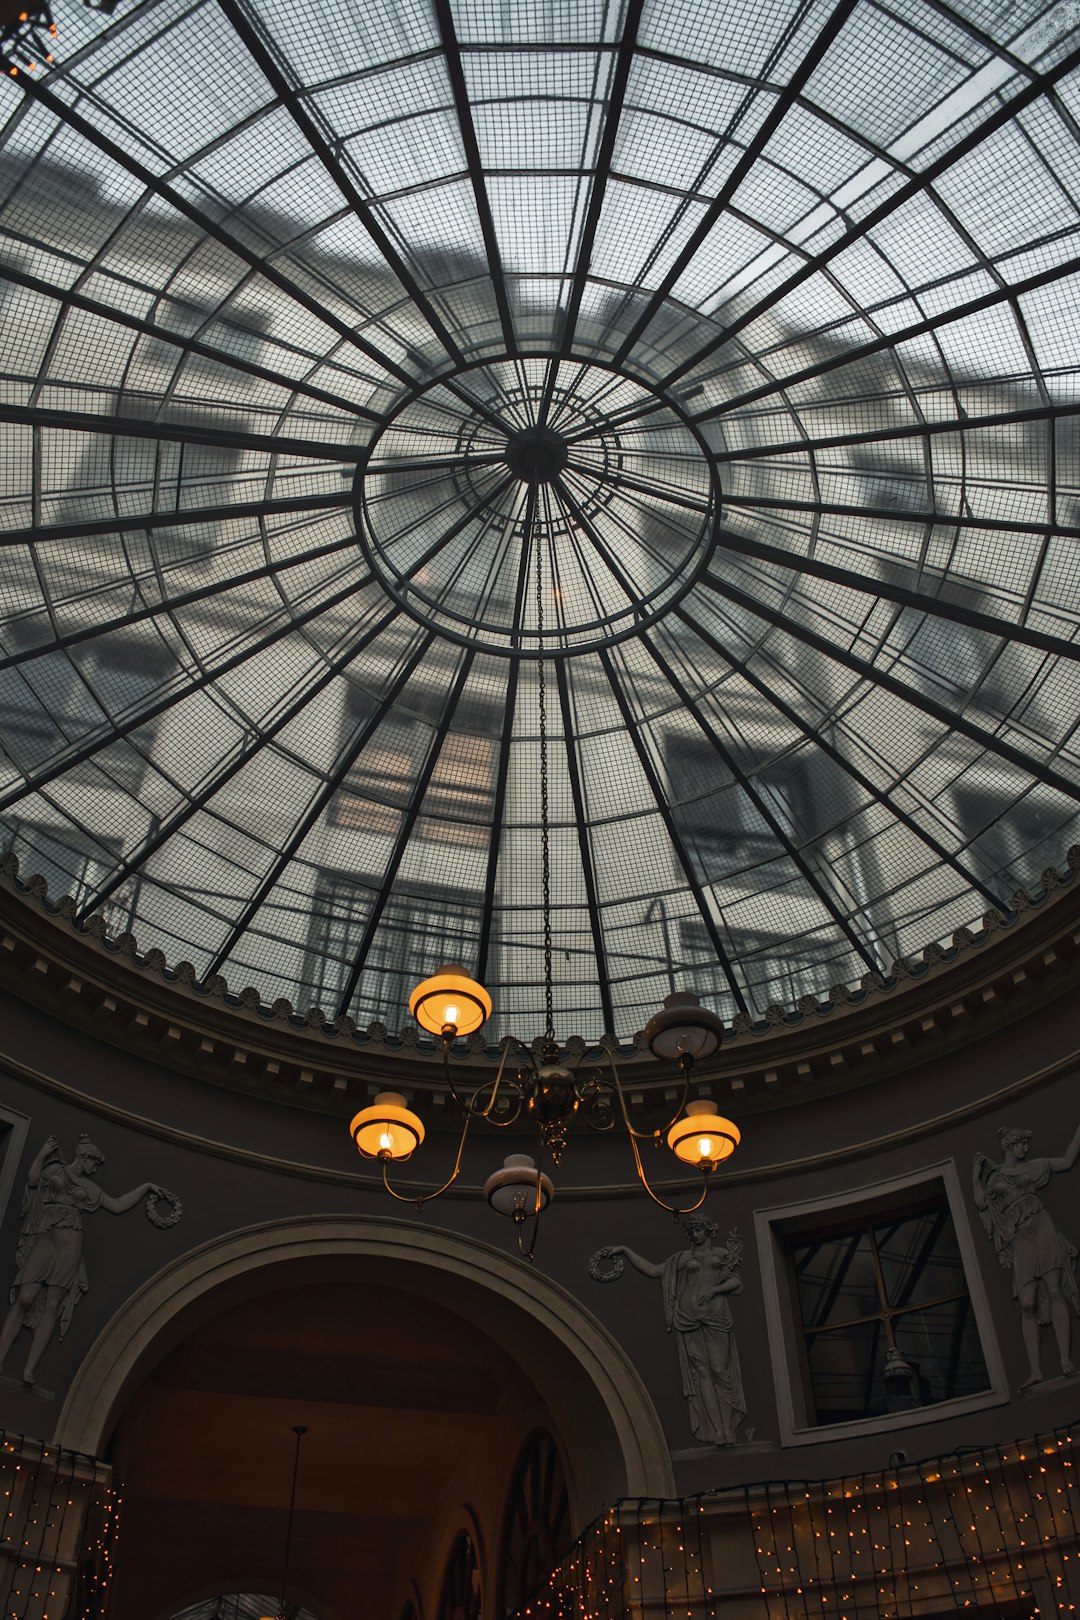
698 1285
1028 1244
50 1276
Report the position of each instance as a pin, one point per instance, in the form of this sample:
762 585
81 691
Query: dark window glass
884 1315
459 801
69 862
419 931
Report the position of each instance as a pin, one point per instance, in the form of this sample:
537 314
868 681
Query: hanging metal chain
545 814
300 1430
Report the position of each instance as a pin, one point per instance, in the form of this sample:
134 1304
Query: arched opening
462 1594
536 1522
420 1363
240 1606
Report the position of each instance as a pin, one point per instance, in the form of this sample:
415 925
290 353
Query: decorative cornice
982 980
360 1178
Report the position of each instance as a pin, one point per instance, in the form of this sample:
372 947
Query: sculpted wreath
163 1217
599 1273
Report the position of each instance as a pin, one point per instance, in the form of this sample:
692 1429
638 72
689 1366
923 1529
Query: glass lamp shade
512 1190
387 1129
683 1029
450 1002
703 1137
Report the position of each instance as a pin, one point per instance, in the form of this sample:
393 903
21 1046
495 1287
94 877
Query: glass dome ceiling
762 315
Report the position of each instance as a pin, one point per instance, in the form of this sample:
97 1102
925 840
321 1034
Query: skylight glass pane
719 361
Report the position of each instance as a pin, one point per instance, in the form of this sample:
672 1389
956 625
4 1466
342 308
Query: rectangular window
69 862
13 1132
128 476
459 801
1004 829
877 1315
418 931
58 698
806 793
884 1314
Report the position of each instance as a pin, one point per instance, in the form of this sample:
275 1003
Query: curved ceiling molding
982 982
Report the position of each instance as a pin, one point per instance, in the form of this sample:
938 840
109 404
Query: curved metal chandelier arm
426 1198
465 1107
538 1209
487 1113
469 1107
671 1208
646 1136
596 1106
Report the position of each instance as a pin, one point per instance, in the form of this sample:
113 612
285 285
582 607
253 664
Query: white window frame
775 1226
12 1152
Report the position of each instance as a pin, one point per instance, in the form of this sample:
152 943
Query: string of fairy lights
58 1528
988 1531
991 1531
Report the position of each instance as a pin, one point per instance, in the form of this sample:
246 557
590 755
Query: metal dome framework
765 314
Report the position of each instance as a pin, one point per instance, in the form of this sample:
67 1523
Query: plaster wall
236 1163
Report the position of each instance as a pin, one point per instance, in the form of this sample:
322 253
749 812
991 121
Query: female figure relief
698 1284
50 1277
1028 1243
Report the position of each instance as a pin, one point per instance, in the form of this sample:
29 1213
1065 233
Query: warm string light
935 1534
26 41
980 1531
58 1523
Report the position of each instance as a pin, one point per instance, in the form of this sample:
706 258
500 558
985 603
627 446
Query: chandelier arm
469 1109
538 1209
671 1208
595 1097
458 1098
485 1113
528 1054
426 1198
646 1136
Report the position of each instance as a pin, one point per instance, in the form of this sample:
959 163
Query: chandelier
27 36
552 1084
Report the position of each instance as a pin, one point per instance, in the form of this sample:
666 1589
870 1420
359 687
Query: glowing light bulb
452 1014
386 1141
704 1147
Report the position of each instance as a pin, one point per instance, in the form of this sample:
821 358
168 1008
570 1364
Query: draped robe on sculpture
702 1319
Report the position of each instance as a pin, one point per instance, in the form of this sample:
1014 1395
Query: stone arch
590 1385
315 1605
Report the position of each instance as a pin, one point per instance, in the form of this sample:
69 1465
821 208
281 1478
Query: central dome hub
621 490
537 457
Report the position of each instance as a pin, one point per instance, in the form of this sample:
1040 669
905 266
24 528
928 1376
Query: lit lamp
683 1030
387 1129
450 1003
519 1189
551 1087
703 1137
551 1090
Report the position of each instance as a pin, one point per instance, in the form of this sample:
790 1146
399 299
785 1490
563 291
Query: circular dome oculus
620 488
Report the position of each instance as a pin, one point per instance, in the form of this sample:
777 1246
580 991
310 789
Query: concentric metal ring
623 490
